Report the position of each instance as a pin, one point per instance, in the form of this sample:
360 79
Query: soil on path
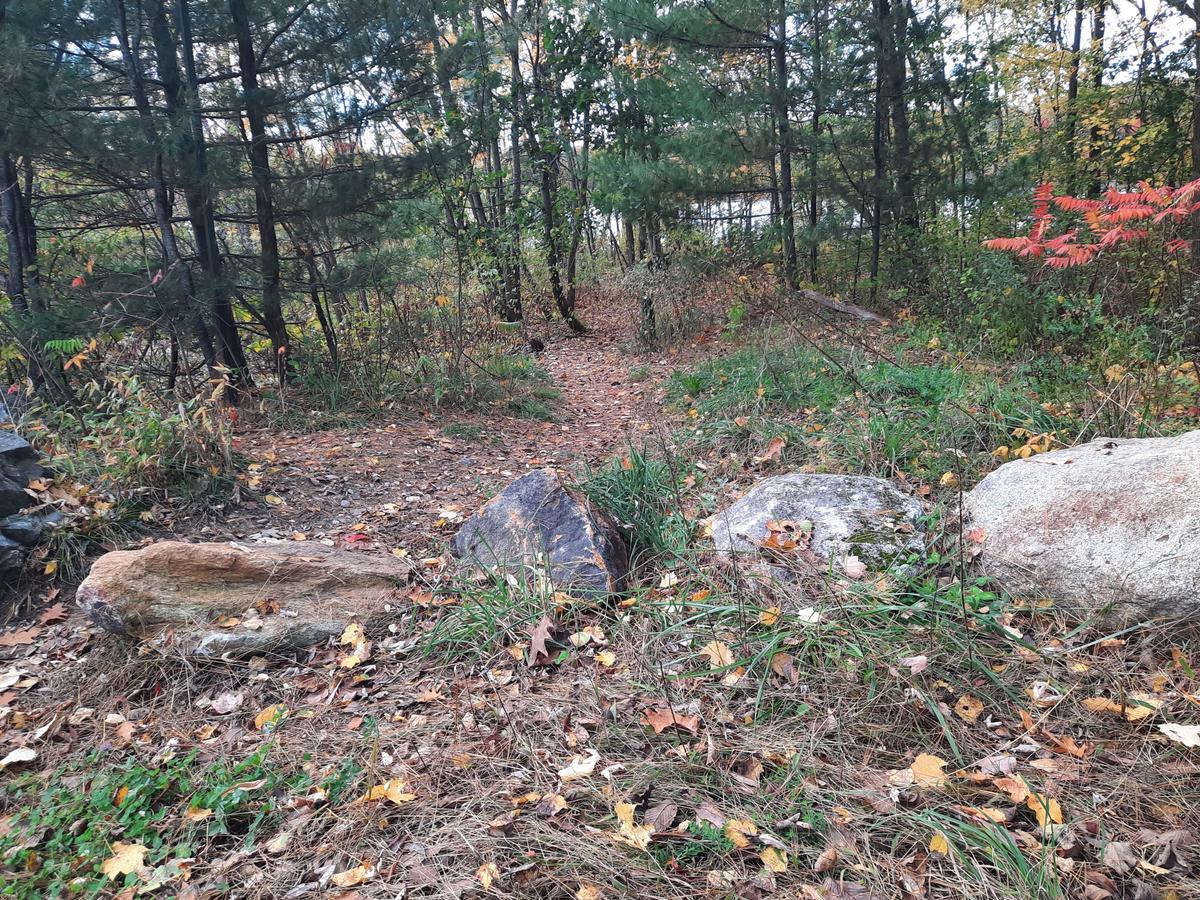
408 483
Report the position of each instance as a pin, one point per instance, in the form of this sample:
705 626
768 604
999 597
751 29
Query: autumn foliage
1095 225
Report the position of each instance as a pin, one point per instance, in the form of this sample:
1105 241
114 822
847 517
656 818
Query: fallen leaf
197 813
775 860
915 664
928 770
1135 708
938 843
854 567
1066 745
581 766
1045 808
1016 788
397 790
718 653
270 717
588 891
774 448
660 718
352 877
631 833
1188 735
1120 857
227 702
22 636
487 873
740 831
770 615
543 633
126 858
826 861
968 708
606 658
352 635
19 755
55 613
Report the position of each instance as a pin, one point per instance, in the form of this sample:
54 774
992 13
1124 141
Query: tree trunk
1097 66
813 151
512 305
10 210
173 264
877 137
783 116
184 113
264 207
1072 117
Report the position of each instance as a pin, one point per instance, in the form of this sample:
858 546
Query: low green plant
643 493
61 830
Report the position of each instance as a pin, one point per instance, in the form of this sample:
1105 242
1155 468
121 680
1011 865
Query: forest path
407 483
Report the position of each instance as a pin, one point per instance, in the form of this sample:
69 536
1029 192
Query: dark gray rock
537 526
29 529
18 466
15 447
12 555
851 515
13 498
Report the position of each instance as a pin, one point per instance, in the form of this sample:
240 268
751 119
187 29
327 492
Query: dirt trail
396 482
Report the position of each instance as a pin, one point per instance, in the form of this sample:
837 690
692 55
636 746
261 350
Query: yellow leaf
352 635
968 708
352 877
775 860
606 658
1140 706
487 873
1045 808
274 499
631 833
949 479
51 567
126 859
588 891
770 615
739 832
1135 708
397 790
197 813
938 843
270 716
929 770
718 653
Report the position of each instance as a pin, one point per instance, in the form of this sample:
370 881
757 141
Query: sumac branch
1100 224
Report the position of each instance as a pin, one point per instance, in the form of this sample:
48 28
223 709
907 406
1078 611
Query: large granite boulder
538 527
216 599
1108 525
838 516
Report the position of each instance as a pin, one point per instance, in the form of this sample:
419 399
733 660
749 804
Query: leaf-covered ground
852 736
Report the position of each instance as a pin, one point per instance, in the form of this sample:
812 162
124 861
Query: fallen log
841 306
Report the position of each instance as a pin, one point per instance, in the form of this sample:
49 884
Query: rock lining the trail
1113 524
851 516
19 531
233 599
537 529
